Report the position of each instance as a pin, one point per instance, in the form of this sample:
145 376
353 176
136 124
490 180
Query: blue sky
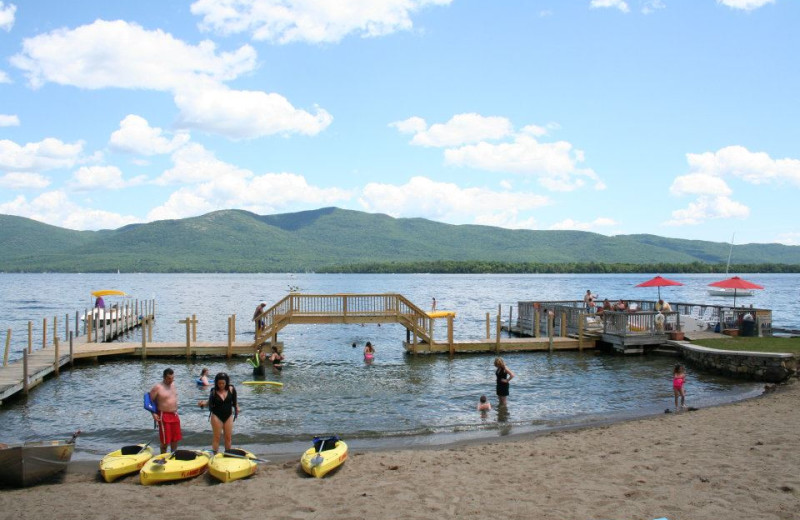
672 117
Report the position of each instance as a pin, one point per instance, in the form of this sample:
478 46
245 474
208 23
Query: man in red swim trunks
165 395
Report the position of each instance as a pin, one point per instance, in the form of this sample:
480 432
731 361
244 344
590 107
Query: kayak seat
131 450
184 455
237 452
330 443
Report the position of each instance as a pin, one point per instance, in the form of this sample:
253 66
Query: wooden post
194 328
150 328
25 372
55 327
535 323
581 318
66 326
89 324
8 345
144 338
71 351
551 325
30 337
230 337
56 364
510 318
563 324
450 334
497 335
77 324
233 332
44 333
414 345
188 337
488 326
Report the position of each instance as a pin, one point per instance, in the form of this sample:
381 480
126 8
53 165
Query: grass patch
780 345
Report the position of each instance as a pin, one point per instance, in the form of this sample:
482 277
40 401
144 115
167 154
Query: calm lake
398 400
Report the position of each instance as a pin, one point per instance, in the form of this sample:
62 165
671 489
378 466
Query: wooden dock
504 345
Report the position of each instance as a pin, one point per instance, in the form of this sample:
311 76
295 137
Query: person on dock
260 322
678 381
99 303
663 306
504 376
621 306
224 409
369 352
588 301
484 405
276 358
203 379
165 396
433 305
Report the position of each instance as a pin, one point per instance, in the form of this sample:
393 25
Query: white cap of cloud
285 21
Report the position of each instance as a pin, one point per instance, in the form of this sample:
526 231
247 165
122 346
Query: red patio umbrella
659 281
735 283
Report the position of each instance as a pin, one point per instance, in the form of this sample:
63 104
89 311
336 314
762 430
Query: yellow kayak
126 460
232 465
319 463
178 465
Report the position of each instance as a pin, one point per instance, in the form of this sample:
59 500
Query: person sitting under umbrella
663 306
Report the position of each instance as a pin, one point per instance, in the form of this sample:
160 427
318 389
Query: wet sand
736 461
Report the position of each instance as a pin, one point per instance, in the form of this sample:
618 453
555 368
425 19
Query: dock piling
30 337
44 333
71 350
56 364
8 345
25 372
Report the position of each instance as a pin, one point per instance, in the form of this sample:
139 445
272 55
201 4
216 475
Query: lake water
399 400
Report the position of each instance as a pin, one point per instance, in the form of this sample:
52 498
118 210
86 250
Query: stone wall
759 366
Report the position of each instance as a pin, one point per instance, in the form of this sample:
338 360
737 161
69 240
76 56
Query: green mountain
240 241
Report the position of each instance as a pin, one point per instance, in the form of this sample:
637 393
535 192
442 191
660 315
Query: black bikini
502 387
222 408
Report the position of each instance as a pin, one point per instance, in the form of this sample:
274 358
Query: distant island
344 241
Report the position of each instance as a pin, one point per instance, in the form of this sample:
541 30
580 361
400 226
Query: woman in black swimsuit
276 359
224 409
504 375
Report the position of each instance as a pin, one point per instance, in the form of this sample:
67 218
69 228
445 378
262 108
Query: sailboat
730 292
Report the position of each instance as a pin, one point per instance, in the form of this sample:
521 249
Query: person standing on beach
504 375
678 380
224 408
165 396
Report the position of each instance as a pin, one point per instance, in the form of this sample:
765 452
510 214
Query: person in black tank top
504 375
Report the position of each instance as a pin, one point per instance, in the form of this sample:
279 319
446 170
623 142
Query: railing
337 308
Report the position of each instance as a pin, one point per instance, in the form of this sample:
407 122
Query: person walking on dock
588 301
504 375
165 396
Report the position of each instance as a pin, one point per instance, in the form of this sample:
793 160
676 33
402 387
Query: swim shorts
169 428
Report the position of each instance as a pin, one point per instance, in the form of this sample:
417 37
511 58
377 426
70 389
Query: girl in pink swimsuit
369 352
678 379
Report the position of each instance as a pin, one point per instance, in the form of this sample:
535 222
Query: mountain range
333 238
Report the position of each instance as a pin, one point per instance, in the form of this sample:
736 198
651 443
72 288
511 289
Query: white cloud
119 54
135 135
22 180
193 163
708 208
615 4
260 194
7 14
423 197
4 77
56 208
789 239
125 55
699 184
554 164
650 6
47 154
245 113
102 177
285 21
752 167
461 129
598 223
9 120
746 5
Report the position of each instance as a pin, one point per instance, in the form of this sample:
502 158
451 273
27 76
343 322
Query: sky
677 118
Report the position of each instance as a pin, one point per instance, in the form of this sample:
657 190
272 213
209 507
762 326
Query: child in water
369 352
484 405
678 380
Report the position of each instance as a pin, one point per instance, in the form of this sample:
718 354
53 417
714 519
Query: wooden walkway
504 345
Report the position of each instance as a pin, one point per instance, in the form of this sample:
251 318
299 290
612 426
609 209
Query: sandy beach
737 461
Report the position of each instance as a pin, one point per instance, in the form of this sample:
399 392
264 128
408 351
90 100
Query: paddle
74 436
235 456
317 459
145 446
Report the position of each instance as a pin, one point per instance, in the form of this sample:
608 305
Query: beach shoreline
731 461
